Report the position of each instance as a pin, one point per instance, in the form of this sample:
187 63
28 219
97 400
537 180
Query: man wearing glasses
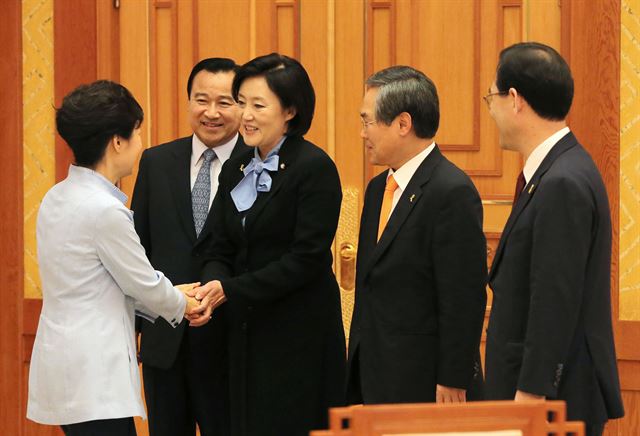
550 333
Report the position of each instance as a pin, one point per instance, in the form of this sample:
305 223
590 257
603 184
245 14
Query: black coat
420 290
550 330
163 219
287 349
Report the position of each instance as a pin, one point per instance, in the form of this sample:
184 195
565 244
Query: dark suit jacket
163 218
550 328
287 350
420 291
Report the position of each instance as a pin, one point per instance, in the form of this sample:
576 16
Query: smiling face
213 114
264 120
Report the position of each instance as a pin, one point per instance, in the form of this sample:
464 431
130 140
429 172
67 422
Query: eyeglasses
487 98
366 123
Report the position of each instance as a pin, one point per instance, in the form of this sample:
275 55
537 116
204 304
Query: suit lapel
179 173
408 200
288 153
568 141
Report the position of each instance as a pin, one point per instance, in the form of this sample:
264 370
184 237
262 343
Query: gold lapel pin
531 189
413 196
242 167
282 166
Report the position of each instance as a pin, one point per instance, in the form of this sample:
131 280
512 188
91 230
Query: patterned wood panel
38 125
630 162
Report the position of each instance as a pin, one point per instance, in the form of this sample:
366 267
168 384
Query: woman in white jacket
95 274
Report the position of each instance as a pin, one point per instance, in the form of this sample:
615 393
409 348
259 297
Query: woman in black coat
275 217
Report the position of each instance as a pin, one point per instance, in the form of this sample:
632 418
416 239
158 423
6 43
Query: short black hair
91 115
540 75
289 81
405 89
212 65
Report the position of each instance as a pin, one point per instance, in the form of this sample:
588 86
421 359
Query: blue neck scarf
256 179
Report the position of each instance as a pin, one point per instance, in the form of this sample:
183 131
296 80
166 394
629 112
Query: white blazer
94 272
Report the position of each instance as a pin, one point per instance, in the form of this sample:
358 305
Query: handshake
201 301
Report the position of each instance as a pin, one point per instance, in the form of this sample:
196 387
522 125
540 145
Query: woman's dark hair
540 75
288 80
91 115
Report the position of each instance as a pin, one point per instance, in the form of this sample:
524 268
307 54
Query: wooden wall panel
32 308
286 32
75 60
349 85
223 29
164 71
380 51
186 58
317 52
452 63
11 216
261 39
134 67
107 41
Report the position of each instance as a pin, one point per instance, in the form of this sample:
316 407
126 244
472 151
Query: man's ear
405 123
518 100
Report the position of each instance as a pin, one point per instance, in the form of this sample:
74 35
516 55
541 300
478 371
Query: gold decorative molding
346 251
38 126
629 161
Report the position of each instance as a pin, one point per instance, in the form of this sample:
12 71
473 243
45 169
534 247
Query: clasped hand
201 301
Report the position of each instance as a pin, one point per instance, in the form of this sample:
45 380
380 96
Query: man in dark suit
550 333
185 369
421 266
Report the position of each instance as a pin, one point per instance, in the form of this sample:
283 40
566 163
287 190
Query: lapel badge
413 196
282 166
531 188
242 167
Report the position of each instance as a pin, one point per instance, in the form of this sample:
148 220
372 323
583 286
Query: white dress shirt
93 271
223 152
540 152
404 174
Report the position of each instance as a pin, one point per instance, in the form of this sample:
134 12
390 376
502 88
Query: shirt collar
76 171
404 174
275 150
540 152
223 152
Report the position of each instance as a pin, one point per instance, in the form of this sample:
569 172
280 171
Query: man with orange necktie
421 266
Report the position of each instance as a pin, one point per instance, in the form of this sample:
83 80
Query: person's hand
187 288
210 295
445 394
194 306
525 396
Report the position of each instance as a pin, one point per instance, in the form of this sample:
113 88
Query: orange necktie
387 201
